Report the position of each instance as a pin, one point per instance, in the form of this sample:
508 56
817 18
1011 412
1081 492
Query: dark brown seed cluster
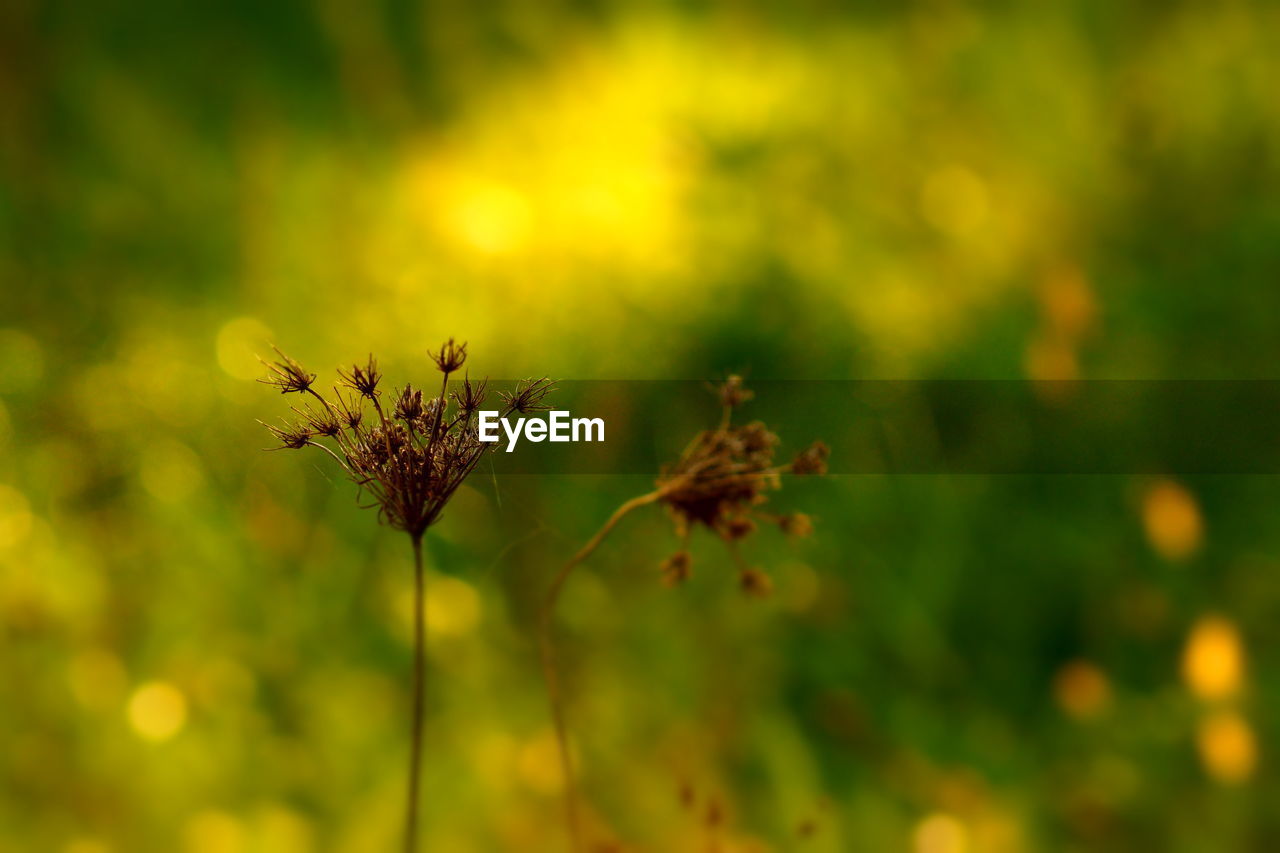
721 481
409 456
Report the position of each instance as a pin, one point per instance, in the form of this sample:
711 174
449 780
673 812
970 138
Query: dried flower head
723 478
286 374
410 459
363 380
450 357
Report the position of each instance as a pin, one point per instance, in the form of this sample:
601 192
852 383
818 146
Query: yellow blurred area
1172 521
266 830
157 711
940 833
1213 659
1227 746
16 519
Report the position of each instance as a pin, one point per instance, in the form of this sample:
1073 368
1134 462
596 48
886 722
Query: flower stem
419 683
550 668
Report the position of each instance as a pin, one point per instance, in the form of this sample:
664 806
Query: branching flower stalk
720 481
407 459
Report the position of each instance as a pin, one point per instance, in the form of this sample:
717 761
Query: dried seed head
409 406
733 393
722 479
796 524
528 396
451 356
286 374
348 411
410 460
290 436
364 380
811 460
755 583
471 397
320 423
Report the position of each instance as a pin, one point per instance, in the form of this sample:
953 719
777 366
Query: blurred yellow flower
1228 749
538 764
157 711
1172 520
1213 659
940 833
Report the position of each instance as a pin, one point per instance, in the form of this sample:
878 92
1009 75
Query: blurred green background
205 648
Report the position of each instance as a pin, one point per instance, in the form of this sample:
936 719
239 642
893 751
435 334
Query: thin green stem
419 683
550 667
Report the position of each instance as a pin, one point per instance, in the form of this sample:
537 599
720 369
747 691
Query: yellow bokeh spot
214 832
940 833
538 764
491 218
1213 659
1067 303
1227 746
1172 520
238 345
453 607
954 200
157 711
16 519
171 471
1082 689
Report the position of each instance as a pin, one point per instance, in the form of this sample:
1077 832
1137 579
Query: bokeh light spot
1082 689
170 471
16 519
1171 518
940 833
538 764
214 832
452 606
1213 660
157 711
1227 746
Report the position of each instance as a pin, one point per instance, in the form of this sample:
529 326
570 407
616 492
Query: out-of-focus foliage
205 647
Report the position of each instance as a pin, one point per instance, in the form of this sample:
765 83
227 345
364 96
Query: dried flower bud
677 568
409 406
451 356
287 375
349 412
755 583
528 396
733 393
364 380
320 423
471 397
291 436
737 527
796 524
811 460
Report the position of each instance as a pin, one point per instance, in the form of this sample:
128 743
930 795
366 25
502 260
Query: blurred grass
205 647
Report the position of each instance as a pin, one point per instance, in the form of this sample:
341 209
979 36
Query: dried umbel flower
408 460
721 481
